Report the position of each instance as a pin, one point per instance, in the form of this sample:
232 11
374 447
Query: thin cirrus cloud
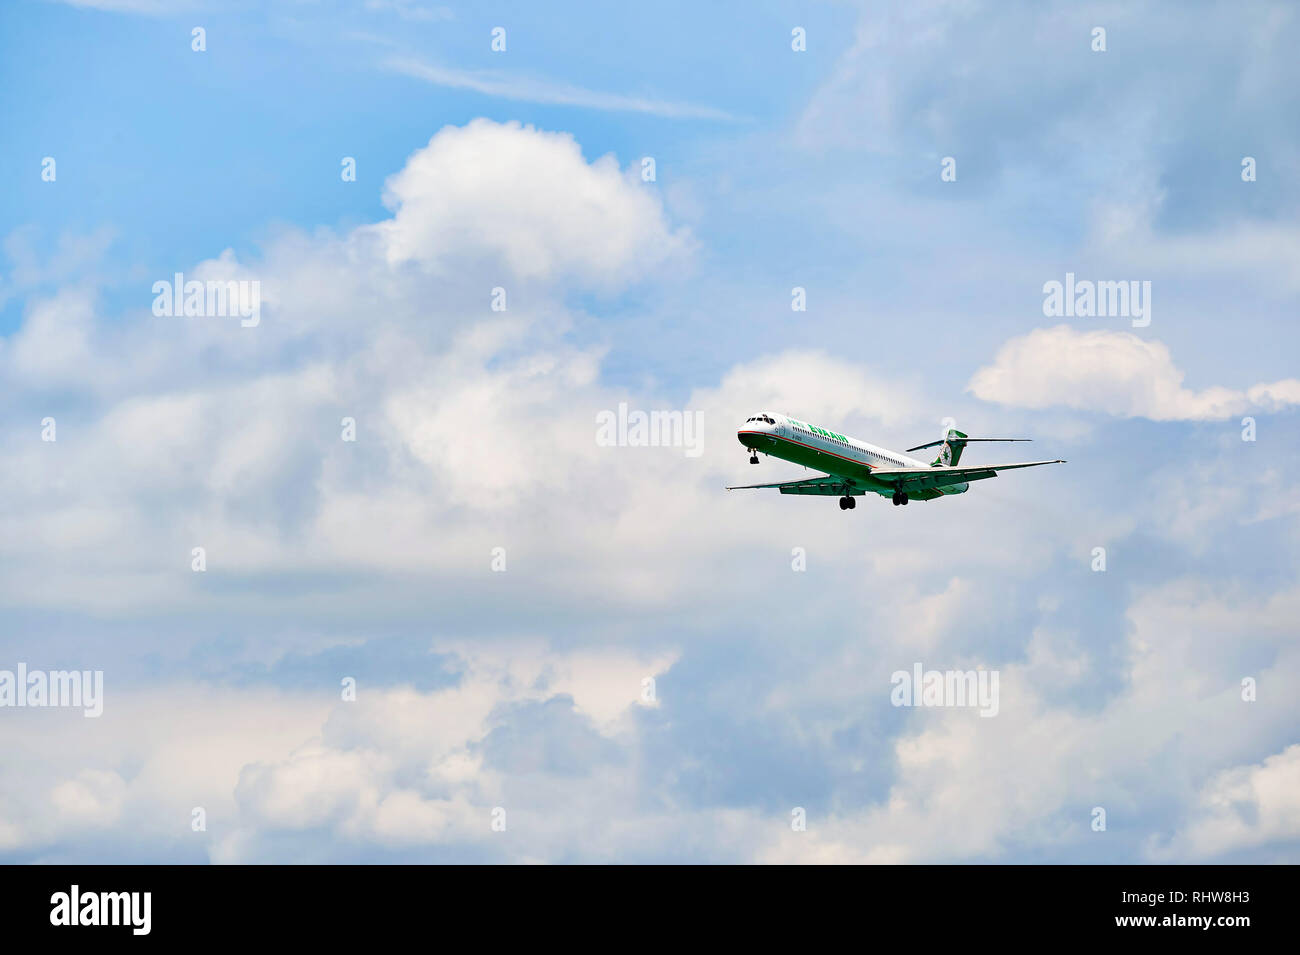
146 7
532 90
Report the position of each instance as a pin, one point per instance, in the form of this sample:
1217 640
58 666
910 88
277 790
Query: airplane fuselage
805 444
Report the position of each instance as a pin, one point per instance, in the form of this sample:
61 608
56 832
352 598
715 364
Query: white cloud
1245 807
528 198
92 797
401 769
1117 373
153 756
477 429
148 7
56 342
410 10
972 788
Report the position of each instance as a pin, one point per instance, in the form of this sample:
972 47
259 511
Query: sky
364 585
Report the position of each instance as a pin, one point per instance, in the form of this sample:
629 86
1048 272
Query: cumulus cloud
1116 373
475 430
92 797
973 788
528 199
155 755
1246 807
234 434
403 770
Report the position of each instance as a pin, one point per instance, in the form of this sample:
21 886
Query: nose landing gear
753 456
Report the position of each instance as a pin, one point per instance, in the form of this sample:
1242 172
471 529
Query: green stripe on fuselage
798 453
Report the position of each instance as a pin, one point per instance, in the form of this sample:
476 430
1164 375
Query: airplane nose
755 428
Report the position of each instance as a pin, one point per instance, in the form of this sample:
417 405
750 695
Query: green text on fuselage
834 436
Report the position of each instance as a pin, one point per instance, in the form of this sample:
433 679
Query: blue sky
523 688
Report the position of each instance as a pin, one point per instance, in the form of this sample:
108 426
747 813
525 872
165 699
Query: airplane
854 468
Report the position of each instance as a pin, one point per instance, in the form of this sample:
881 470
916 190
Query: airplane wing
820 485
909 479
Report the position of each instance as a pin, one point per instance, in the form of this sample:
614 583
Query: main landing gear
848 503
900 497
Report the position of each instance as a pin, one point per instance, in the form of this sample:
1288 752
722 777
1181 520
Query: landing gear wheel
853 502
897 499
844 503
753 458
903 499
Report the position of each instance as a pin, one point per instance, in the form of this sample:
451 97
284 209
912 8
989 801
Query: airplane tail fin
952 445
950 453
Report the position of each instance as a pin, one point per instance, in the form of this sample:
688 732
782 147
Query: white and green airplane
855 467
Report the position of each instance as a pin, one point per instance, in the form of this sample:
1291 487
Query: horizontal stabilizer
935 444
